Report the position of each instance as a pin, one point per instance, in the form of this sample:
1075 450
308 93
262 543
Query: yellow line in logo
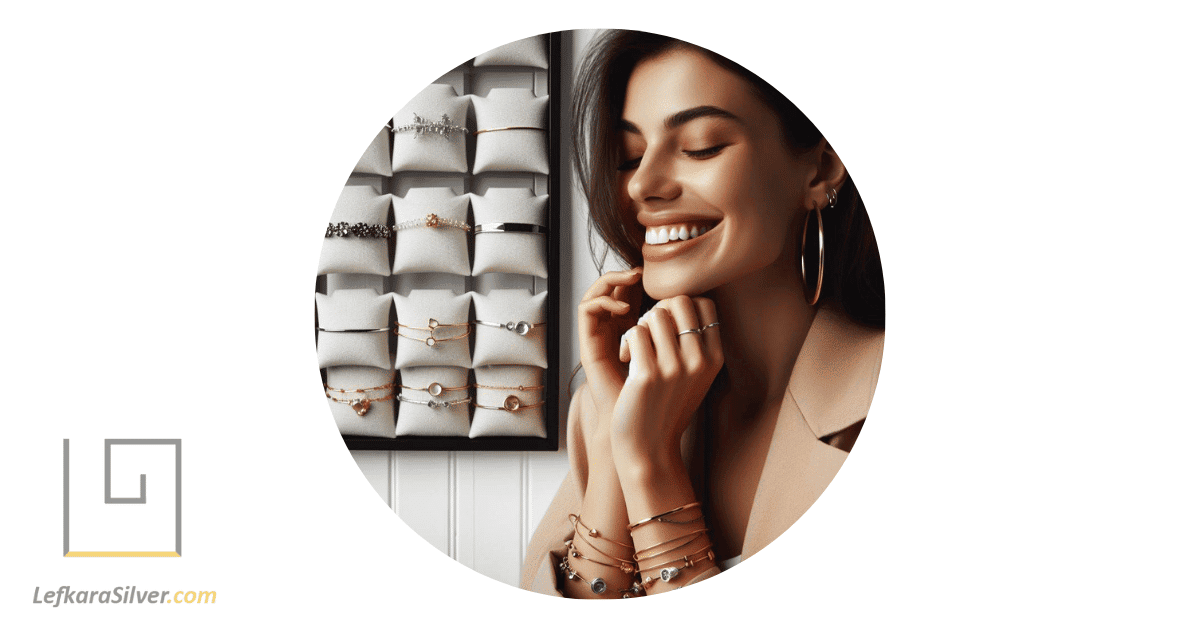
122 554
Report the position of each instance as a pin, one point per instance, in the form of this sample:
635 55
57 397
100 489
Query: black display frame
550 415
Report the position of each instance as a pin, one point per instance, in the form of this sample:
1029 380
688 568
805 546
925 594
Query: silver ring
709 325
689 331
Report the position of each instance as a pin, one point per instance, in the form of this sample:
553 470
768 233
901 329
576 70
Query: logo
108 520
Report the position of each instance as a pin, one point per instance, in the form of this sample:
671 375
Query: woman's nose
654 179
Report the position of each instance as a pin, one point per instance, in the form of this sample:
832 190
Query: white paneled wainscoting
479 508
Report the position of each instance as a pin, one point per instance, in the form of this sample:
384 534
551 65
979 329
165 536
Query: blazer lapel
830 389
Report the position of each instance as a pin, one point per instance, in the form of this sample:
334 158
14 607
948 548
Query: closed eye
629 164
705 153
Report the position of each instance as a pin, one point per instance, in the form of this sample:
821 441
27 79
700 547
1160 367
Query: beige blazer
830 389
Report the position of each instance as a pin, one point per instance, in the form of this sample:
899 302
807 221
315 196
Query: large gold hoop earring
815 291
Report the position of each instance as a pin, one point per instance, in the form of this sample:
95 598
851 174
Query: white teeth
663 235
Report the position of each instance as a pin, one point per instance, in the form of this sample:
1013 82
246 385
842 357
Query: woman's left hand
670 370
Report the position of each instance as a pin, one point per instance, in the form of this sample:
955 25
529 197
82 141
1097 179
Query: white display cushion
528 52
424 249
419 419
519 150
429 151
506 380
521 253
352 254
358 308
378 420
504 346
375 159
447 308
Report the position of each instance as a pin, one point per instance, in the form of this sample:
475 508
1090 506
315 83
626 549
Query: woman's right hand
608 309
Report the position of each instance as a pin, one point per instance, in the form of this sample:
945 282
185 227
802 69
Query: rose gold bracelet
360 406
598 585
433 325
689 560
577 521
522 388
690 536
667 574
624 566
435 389
513 404
643 522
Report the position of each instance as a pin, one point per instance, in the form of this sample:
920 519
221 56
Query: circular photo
600 314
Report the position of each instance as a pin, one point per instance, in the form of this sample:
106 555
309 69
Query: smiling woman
710 423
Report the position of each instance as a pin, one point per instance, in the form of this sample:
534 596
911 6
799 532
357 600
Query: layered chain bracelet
433 325
360 406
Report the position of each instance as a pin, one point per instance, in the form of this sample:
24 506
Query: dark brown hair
853 275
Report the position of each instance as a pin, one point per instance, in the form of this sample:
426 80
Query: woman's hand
669 374
608 308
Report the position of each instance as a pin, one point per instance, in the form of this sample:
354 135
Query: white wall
480 508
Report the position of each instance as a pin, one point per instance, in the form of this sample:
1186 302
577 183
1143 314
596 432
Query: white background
1030 169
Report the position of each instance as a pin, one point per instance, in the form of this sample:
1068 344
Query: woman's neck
764 321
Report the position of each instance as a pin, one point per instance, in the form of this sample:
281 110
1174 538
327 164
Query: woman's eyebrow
681 118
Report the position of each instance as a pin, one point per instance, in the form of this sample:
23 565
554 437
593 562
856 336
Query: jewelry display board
448 228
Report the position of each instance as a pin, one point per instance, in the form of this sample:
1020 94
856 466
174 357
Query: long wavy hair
853 274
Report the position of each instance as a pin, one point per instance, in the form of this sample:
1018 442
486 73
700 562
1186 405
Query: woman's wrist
641 460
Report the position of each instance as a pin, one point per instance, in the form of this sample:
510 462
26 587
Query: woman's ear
829 177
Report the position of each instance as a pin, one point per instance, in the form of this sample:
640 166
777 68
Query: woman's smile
669 241
707 175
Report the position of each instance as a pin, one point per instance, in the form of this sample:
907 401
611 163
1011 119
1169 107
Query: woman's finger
664 333
641 352
593 307
706 312
691 340
610 280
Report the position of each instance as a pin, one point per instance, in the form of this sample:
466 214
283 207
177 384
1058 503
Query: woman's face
707 173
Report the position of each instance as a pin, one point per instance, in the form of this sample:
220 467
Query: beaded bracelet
358 229
433 221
